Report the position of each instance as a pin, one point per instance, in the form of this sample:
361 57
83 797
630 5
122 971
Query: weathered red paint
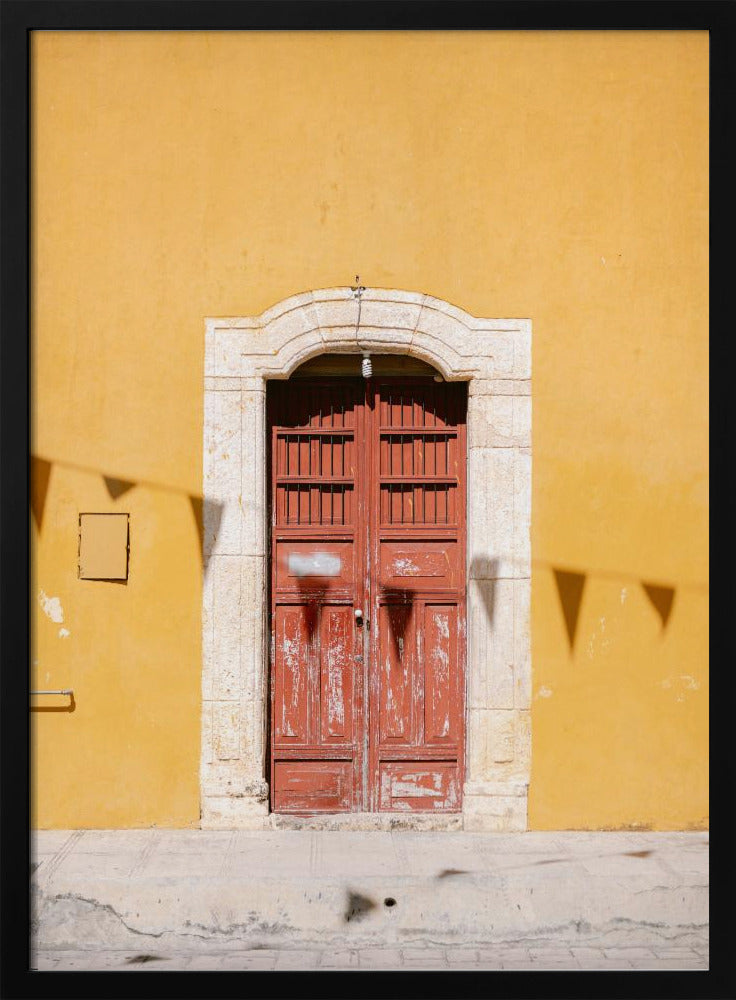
368 514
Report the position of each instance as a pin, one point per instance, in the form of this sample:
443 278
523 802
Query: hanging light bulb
366 365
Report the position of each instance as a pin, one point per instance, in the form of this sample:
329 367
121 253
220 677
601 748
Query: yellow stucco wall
556 176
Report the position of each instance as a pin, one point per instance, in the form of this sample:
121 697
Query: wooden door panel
312 786
429 786
293 645
322 451
416 566
337 665
300 503
323 565
395 674
440 639
432 503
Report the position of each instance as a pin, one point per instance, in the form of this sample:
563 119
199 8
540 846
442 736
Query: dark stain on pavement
638 854
137 959
447 872
358 906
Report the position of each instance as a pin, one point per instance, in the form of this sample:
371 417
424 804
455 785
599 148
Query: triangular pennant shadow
484 573
40 475
207 517
196 503
570 589
662 599
116 487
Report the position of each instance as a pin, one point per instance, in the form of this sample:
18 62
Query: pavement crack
670 888
203 932
105 908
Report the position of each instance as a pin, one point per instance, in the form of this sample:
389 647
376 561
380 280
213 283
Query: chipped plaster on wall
51 607
494 356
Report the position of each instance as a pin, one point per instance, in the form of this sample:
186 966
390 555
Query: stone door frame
494 357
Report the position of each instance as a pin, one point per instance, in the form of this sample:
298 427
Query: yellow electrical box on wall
103 546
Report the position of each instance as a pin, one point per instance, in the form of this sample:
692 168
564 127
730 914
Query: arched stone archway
241 354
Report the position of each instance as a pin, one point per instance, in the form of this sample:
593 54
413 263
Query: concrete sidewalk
304 899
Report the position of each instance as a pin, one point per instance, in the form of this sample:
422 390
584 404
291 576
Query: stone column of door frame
499 592
241 354
234 651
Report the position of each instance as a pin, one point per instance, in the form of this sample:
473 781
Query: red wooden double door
367 595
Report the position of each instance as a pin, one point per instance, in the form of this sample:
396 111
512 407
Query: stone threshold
366 821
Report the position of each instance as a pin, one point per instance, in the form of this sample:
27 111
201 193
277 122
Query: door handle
358 617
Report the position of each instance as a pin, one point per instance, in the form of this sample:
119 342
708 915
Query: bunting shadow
484 570
207 517
313 591
662 599
570 587
399 614
40 476
117 487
